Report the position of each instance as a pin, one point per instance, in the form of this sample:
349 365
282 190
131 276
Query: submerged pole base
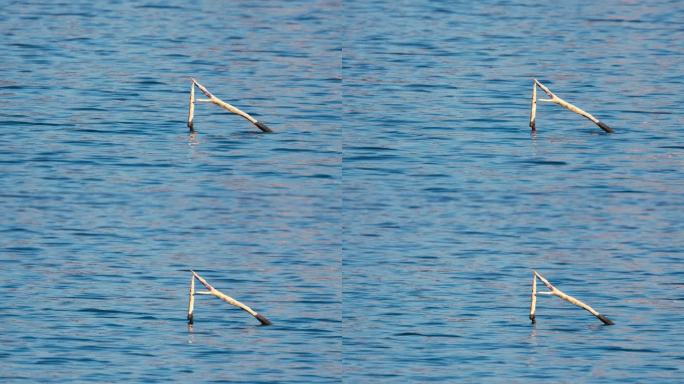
605 127
262 319
605 320
263 126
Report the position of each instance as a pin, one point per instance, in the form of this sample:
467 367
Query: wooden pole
557 100
191 304
191 111
533 113
230 108
215 292
557 292
533 306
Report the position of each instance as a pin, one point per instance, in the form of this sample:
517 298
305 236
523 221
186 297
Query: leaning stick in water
215 292
557 100
215 100
533 306
557 292
191 303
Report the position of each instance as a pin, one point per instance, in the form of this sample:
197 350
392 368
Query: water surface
390 225
107 200
449 202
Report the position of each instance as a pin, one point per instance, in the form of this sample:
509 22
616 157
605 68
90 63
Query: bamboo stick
533 306
557 100
191 303
230 108
533 113
191 110
557 292
215 292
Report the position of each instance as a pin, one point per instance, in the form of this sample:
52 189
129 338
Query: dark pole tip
190 126
605 127
262 126
190 320
262 319
532 319
605 320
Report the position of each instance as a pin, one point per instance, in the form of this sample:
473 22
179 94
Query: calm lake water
388 228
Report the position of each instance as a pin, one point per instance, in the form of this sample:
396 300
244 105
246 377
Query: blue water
107 200
388 228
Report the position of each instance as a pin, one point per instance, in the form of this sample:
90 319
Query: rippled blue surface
390 225
107 200
449 203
